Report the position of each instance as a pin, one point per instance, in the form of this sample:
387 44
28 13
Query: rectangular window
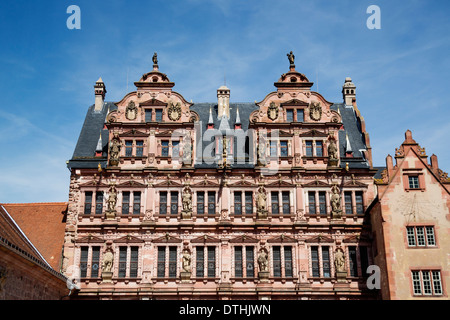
174 202
99 202
122 262
326 262
250 261
427 282
84 261
88 202
416 283
359 202
161 262
431 241
273 148
283 148
238 272
420 236
158 115
200 203
309 148
364 256
312 202
411 236
437 284
300 115
95 263
148 115
275 203
211 203
125 202
353 262
413 182
128 148
134 256
163 202
164 148
172 262
277 262
200 262
175 149
322 203
319 149
139 148
211 262
288 272
238 203
285 196
348 202
248 202
289 115
315 261
136 202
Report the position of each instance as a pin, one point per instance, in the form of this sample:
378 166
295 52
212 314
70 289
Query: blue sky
48 71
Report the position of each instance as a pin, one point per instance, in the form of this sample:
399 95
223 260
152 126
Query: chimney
223 99
434 163
100 91
389 165
349 92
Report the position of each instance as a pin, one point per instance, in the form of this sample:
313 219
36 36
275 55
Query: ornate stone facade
232 201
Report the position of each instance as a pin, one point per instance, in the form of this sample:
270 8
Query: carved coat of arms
272 111
131 111
315 111
174 111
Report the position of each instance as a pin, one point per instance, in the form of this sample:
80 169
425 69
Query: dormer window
158 115
128 148
295 115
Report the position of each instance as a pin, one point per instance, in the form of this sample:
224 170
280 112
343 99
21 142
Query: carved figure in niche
112 199
315 111
108 260
261 203
263 258
174 111
187 203
291 58
131 111
339 261
186 261
114 151
335 200
332 150
272 111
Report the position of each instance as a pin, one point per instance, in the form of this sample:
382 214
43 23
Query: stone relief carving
174 111
263 259
261 203
272 111
131 111
186 261
186 212
335 200
114 151
108 261
339 261
112 199
315 111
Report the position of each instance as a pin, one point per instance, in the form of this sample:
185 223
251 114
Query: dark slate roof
84 154
379 172
352 129
222 124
